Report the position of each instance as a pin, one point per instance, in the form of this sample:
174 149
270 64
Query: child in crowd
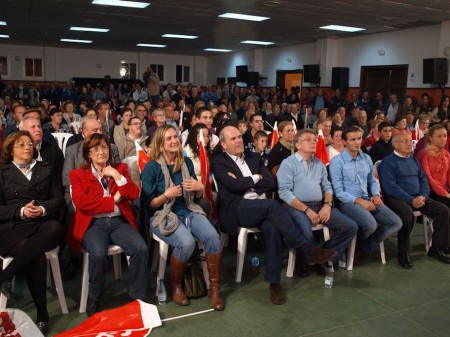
261 141
242 126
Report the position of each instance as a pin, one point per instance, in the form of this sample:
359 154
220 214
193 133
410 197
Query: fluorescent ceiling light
2 23
4 36
243 17
179 36
120 3
218 50
262 43
342 28
151 45
87 29
76 41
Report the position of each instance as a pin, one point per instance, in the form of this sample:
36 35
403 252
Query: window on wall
33 67
182 73
159 70
3 66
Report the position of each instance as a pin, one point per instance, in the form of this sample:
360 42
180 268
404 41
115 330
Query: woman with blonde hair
170 191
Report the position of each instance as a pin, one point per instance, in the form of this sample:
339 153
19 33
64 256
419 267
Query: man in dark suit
243 181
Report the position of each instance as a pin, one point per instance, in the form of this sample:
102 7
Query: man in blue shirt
303 185
406 189
359 194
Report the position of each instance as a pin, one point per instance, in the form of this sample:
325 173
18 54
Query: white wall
61 64
224 65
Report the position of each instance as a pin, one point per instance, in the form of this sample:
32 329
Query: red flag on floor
204 168
321 149
275 136
142 158
135 319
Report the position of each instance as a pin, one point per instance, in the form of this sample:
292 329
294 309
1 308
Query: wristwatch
329 203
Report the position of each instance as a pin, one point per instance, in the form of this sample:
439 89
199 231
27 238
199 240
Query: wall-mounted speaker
339 78
241 73
435 70
253 78
311 73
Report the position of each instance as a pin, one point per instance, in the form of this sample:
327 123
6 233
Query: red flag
142 158
416 134
135 319
321 149
275 136
204 168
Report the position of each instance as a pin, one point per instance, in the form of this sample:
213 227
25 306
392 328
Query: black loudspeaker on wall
311 73
241 73
435 70
339 78
253 78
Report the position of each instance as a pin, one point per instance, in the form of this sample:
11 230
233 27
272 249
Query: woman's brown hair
157 148
90 142
8 145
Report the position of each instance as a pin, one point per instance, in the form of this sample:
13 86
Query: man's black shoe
43 327
92 308
404 261
438 253
6 290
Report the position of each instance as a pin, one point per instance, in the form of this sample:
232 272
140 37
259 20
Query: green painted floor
371 300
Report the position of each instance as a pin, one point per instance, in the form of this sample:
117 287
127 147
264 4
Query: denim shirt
352 177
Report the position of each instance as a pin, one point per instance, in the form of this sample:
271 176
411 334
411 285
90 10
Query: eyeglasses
257 121
97 149
406 141
309 140
140 124
22 146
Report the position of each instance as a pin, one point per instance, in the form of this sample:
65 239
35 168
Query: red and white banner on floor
16 323
135 319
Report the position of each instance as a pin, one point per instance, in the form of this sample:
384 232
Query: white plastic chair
160 253
427 228
52 257
75 126
113 251
293 253
351 253
62 138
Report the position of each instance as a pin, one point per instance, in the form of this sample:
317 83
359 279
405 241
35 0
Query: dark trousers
435 210
29 258
276 224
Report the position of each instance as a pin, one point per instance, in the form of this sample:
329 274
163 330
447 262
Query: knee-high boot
177 269
214 263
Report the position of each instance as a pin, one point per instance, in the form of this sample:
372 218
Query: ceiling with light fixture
46 22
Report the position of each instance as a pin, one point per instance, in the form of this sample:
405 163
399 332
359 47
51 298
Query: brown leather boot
177 269
214 263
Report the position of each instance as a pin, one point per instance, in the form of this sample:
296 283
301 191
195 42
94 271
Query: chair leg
117 266
291 263
383 255
351 254
52 257
84 283
3 300
242 247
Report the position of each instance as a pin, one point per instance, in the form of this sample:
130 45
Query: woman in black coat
30 199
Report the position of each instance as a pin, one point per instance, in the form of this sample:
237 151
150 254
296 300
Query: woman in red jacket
101 192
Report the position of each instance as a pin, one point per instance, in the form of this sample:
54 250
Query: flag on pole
181 118
294 125
135 319
321 149
142 158
204 168
417 134
274 136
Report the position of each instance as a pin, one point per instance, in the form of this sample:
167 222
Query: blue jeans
183 239
103 232
374 227
344 228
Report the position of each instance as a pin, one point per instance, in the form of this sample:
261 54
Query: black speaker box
435 71
241 73
253 78
311 73
339 78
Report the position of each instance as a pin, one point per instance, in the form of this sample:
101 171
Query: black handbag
194 281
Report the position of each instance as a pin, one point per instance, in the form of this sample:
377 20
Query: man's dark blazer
231 191
75 139
53 155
